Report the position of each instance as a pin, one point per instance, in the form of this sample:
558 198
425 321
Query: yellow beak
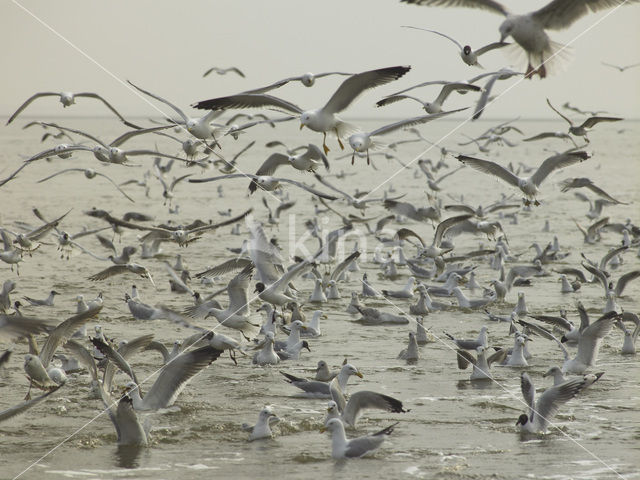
301 126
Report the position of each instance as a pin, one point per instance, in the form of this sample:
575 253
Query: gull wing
355 85
225 267
528 392
160 99
174 376
247 100
491 46
624 279
59 335
272 162
492 168
557 162
465 358
437 33
309 189
98 97
372 400
28 101
24 406
237 290
560 14
411 121
591 121
396 98
550 401
445 225
489 5
590 339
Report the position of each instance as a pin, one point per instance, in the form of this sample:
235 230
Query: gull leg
368 160
542 71
530 71
353 157
339 141
324 143
232 357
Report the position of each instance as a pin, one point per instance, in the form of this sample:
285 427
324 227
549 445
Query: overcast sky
166 46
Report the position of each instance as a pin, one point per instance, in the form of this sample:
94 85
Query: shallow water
455 429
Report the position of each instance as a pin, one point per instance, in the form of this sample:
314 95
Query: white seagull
542 411
528 30
319 120
468 55
529 186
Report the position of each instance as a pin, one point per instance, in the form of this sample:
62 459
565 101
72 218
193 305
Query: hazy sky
166 46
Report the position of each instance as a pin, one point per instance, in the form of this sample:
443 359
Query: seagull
198 127
469 56
581 182
321 389
529 186
67 99
481 363
275 293
543 135
350 411
356 447
47 302
88 173
223 71
265 182
307 161
237 314
464 344
307 79
621 68
262 429
411 353
323 374
559 378
630 336
172 377
528 30
582 129
135 268
129 430
102 151
266 355
36 365
363 141
436 105
542 411
320 120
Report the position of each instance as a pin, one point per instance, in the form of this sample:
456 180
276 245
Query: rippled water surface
455 429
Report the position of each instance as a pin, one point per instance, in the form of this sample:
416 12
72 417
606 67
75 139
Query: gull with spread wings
319 120
528 186
528 30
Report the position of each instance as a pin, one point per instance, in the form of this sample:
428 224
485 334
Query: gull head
306 118
360 142
506 28
67 99
308 79
191 124
466 50
259 288
522 420
265 413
